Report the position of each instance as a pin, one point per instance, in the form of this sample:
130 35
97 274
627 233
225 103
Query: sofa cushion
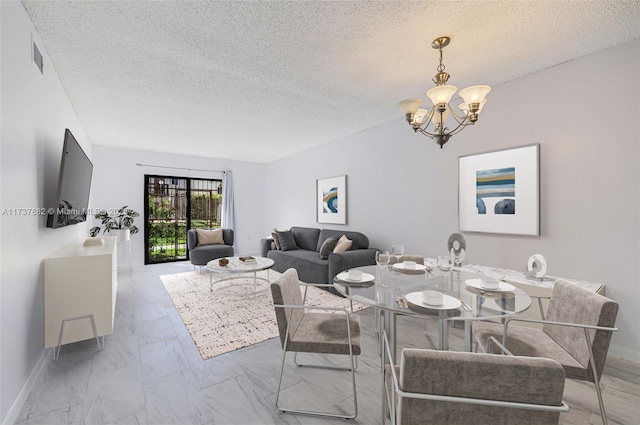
287 241
327 247
276 241
202 254
210 237
360 241
344 244
307 238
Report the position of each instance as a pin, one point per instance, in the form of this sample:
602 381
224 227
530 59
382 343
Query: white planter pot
122 234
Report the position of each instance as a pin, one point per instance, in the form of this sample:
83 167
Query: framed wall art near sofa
498 191
331 200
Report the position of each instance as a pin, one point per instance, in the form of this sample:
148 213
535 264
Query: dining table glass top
464 295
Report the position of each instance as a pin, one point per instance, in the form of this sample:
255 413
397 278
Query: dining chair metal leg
315 413
378 317
311 412
319 366
596 379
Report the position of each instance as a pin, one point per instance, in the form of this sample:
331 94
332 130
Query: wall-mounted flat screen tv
74 184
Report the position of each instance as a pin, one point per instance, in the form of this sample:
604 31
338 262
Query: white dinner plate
401 267
366 277
479 284
448 302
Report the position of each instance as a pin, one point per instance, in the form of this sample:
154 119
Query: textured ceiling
261 80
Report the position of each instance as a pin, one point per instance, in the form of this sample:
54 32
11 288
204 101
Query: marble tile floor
150 372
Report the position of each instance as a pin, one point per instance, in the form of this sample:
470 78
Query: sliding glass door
172 206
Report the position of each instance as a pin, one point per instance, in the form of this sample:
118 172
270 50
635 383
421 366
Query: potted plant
118 224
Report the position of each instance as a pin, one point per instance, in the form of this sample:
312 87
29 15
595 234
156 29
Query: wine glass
397 250
382 258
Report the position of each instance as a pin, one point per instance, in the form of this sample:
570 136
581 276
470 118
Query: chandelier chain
441 66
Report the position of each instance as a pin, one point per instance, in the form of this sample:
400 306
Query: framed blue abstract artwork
331 200
498 191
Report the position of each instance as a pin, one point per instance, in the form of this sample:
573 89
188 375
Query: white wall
118 181
403 189
35 112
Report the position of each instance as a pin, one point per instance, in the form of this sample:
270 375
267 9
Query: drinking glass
445 264
397 250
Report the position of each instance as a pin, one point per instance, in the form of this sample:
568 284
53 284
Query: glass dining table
396 290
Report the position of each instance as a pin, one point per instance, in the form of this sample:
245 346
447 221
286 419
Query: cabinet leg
56 349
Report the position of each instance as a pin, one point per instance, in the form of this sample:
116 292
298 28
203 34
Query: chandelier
432 122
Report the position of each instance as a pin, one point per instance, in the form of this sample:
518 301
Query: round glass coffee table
233 279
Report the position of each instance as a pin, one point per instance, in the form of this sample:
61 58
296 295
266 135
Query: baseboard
21 399
624 353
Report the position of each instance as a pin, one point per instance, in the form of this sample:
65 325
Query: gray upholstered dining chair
303 330
576 333
448 387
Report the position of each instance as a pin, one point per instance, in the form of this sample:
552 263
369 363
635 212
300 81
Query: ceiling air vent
37 57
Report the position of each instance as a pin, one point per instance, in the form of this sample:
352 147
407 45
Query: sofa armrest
341 261
266 245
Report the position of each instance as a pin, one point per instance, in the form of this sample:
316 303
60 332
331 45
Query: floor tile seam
241 388
67 408
157 318
119 419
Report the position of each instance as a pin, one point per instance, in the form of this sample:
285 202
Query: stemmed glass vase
382 259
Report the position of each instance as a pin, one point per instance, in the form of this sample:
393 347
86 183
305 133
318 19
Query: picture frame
331 200
498 191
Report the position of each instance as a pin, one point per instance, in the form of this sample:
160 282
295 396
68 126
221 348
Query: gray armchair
304 331
200 255
447 387
576 333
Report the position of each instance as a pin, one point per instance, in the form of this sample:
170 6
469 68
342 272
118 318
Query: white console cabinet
80 281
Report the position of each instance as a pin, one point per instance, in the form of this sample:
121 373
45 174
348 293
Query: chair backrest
570 303
419 259
473 375
286 291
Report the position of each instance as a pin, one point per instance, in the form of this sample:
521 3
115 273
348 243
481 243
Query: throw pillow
343 244
210 237
287 242
327 247
274 235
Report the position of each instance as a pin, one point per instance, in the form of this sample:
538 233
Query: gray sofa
306 259
201 255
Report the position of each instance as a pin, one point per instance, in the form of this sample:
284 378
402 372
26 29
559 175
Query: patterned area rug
221 323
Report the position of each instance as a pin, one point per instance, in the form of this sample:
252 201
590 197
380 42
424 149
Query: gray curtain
228 212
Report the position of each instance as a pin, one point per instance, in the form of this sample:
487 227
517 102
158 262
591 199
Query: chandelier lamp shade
432 122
